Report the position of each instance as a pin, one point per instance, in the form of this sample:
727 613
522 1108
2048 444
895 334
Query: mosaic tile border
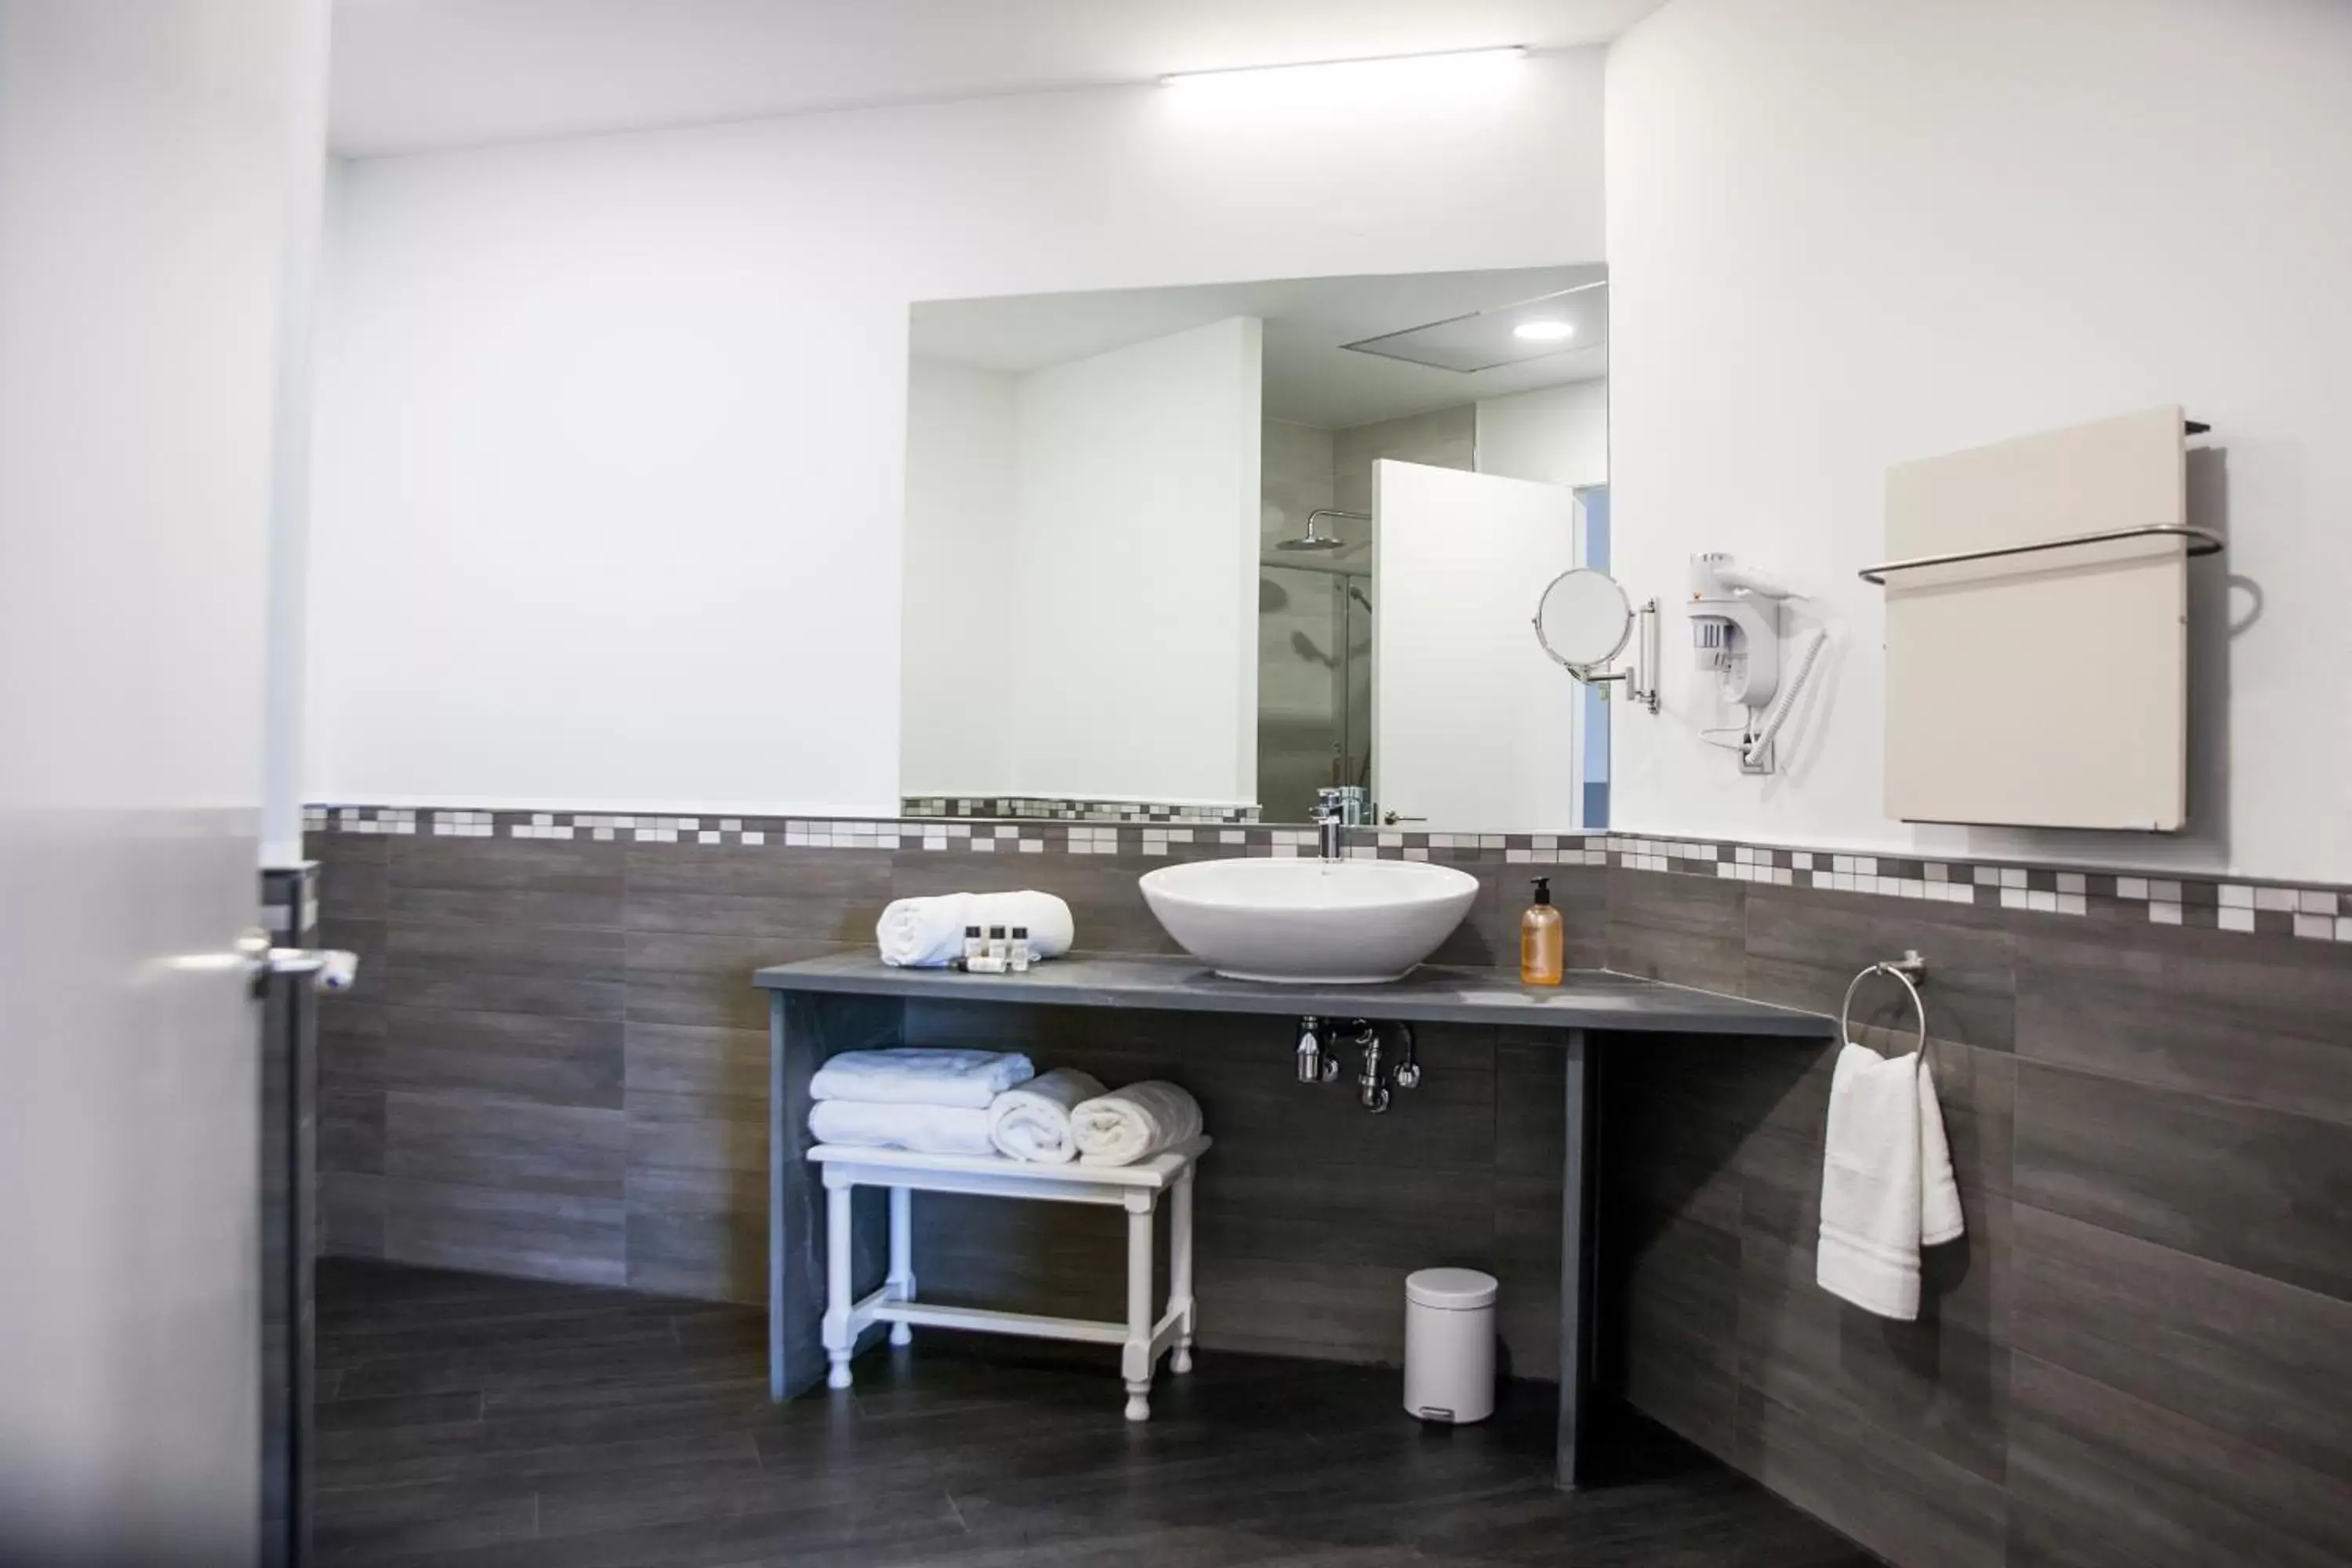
2319 913
1055 808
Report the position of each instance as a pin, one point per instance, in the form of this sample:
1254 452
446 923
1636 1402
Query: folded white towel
925 934
909 1075
1031 1121
1886 1181
1134 1123
922 1128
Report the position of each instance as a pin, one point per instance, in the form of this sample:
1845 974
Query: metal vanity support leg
1578 1241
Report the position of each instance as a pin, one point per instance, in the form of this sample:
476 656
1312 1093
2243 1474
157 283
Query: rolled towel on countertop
926 933
1032 1120
916 1075
919 1129
1134 1123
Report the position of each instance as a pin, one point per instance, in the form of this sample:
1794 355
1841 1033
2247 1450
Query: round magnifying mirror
1583 619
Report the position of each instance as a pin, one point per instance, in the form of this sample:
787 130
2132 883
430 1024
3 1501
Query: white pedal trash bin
1449 1345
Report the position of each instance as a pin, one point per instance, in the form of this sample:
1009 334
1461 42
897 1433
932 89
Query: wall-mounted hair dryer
1735 614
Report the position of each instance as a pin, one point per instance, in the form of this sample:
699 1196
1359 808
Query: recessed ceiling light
1544 331
1380 64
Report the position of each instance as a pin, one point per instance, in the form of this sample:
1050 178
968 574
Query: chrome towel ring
1910 971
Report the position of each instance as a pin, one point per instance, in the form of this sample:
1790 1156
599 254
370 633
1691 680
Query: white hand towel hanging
1886 1181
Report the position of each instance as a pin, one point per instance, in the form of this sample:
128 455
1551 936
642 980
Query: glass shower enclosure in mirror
1202 554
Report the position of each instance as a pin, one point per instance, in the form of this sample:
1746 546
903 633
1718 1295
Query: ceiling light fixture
1547 330
1260 73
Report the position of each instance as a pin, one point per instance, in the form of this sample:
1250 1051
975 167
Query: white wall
1136 572
1843 233
963 434
612 441
1555 435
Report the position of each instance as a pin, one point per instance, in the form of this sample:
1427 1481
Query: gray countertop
1591 999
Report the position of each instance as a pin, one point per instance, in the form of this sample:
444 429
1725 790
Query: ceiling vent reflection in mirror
1572 319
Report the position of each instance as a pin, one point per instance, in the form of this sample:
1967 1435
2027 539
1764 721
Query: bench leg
902 1259
1179 1271
1135 1355
837 1344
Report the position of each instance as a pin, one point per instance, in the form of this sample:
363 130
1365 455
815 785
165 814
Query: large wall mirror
1201 553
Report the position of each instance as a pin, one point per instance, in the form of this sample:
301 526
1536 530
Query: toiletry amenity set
984 933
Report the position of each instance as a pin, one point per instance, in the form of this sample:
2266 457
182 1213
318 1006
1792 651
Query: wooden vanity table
851 1000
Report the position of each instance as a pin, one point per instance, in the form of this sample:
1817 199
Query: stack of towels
982 1102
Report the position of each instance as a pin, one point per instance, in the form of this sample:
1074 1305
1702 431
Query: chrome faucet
1338 807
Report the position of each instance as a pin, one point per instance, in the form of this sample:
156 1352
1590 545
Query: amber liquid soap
1543 940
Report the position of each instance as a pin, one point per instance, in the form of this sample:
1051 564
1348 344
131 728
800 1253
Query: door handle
327 968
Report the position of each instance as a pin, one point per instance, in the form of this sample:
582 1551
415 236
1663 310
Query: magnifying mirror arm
1641 680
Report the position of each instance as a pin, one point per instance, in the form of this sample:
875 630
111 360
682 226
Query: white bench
1135 1188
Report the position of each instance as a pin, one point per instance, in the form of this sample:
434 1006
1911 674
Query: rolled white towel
1134 1123
921 1129
926 933
912 1075
1031 1121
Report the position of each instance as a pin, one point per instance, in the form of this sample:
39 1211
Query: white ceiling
416 73
1310 379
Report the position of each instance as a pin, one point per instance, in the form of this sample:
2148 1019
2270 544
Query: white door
146 156
1473 726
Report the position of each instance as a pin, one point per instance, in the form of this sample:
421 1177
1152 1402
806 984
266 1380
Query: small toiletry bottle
972 947
1542 941
1019 956
999 950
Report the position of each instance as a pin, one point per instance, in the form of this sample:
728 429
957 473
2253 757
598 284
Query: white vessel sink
1309 921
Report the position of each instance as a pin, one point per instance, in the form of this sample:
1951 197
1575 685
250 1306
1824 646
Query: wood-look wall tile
1938 1381
2253 1018
697 1133
567 972
492 1230
1897 1499
815 895
1322 1312
586 867
503 908
1527 1266
541 1058
700 1232
697 1059
1689 930
351 1131
2257 1189
2265 1363
1530 1108
1273 1206
2099 1476
352 873
352 1031
509 1146
1805 946
351 1213
1669 1295
705 979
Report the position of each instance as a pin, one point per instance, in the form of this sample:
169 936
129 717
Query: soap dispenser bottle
1542 941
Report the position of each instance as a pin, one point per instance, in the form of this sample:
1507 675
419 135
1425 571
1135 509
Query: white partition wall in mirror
1474 723
1144 573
